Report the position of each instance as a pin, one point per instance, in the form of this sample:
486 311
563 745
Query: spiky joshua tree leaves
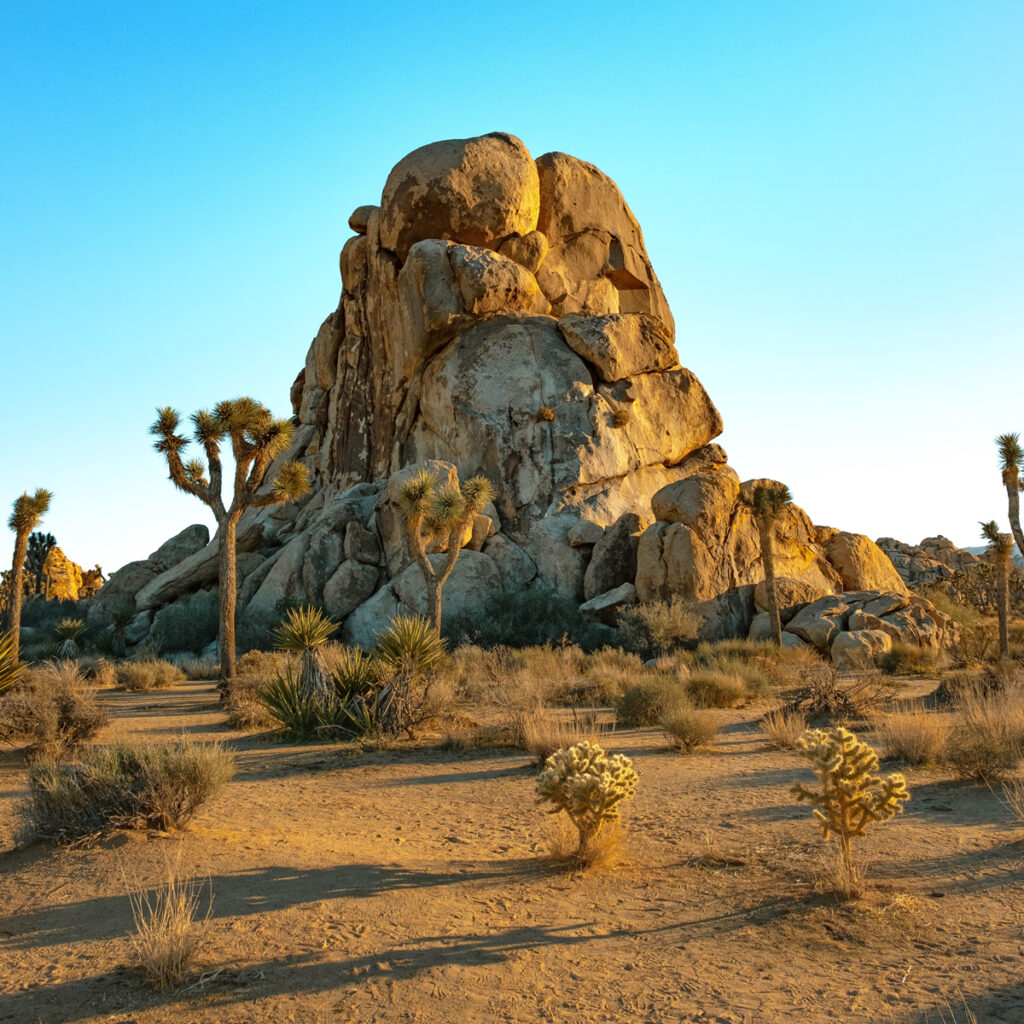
1011 463
439 513
1000 550
10 667
26 513
257 439
850 797
766 502
39 546
589 785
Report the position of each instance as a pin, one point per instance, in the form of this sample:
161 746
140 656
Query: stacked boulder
500 316
933 560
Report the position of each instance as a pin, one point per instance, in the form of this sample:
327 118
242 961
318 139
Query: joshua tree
39 546
25 515
256 440
766 501
1011 462
432 513
1000 549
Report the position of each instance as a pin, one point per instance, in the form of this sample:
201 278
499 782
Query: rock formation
934 559
500 315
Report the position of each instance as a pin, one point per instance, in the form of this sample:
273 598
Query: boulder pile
500 315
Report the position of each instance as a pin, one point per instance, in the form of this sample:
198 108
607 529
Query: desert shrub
189 624
544 734
782 728
688 728
98 671
52 709
620 418
545 414
525 618
141 785
589 786
38 613
910 660
659 626
709 689
151 674
602 677
197 668
912 734
650 699
851 797
987 737
256 671
167 935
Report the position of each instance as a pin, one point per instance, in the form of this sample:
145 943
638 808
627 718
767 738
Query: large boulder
190 540
791 596
819 622
620 345
351 584
861 564
606 607
478 191
860 651
613 561
474 579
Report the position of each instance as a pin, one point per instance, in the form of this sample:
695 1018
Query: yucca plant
10 667
433 513
283 701
766 502
68 632
25 515
354 672
1011 464
257 440
407 654
306 629
121 618
1000 551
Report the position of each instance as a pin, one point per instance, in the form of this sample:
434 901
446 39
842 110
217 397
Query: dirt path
410 885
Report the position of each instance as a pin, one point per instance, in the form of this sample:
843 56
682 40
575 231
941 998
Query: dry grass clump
138 785
987 739
651 698
197 668
167 935
714 689
658 627
256 671
101 673
53 709
152 674
604 851
1012 798
913 734
782 728
911 660
689 728
543 734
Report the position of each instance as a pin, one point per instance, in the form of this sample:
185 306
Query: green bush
710 689
151 674
909 660
687 728
651 699
190 624
526 618
142 785
658 627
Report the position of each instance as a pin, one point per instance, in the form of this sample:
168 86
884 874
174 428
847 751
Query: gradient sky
831 193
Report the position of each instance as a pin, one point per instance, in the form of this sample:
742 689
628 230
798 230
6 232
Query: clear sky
832 195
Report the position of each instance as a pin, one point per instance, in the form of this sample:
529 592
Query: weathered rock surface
860 651
500 316
606 607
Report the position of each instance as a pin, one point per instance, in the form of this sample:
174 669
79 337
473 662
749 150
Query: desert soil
412 885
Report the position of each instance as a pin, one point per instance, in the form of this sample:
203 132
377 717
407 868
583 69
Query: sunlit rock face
500 315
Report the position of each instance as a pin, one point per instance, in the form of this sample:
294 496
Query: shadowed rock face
500 315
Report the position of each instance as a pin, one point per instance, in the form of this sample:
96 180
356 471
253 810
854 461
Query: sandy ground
411 885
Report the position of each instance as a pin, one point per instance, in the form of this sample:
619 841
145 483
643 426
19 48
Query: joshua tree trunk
764 529
1003 599
1013 494
14 600
228 581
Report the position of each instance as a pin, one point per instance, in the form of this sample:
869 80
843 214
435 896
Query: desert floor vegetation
150 674
348 882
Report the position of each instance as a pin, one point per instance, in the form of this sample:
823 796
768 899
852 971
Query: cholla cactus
588 785
851 797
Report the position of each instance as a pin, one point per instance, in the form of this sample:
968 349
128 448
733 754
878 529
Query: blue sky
830 193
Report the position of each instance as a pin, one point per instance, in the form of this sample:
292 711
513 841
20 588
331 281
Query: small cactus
545 414
588 785
851 797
